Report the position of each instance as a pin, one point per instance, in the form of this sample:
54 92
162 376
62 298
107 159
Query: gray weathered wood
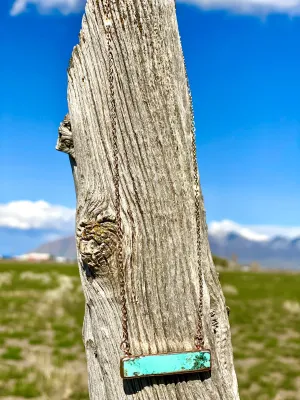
155 141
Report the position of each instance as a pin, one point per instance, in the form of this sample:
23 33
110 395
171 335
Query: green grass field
42 310
42 355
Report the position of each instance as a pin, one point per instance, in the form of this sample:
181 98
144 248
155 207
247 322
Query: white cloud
26 215
44 6
291 7
273 230
224 227
252 232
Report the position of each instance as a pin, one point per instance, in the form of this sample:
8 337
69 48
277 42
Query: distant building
36 257
245 268
61 260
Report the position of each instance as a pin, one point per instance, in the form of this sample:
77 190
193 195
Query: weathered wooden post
130 115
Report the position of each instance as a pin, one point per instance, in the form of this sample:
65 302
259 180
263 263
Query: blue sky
244 66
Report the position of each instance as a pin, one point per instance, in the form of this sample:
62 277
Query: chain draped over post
199 337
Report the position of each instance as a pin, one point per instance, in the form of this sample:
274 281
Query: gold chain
125 345
199 337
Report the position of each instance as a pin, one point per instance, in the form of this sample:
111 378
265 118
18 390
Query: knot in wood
98 244
65 137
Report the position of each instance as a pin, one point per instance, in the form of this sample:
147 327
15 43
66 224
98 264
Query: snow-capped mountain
278 252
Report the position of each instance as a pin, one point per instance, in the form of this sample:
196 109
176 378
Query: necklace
153 364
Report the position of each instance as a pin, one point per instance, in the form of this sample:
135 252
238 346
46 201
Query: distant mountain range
278 252
65 247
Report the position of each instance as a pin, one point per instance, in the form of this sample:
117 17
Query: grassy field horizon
42 354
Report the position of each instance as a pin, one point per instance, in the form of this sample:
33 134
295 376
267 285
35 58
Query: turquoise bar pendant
165 364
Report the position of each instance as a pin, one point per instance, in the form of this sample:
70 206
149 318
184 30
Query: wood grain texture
158 211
